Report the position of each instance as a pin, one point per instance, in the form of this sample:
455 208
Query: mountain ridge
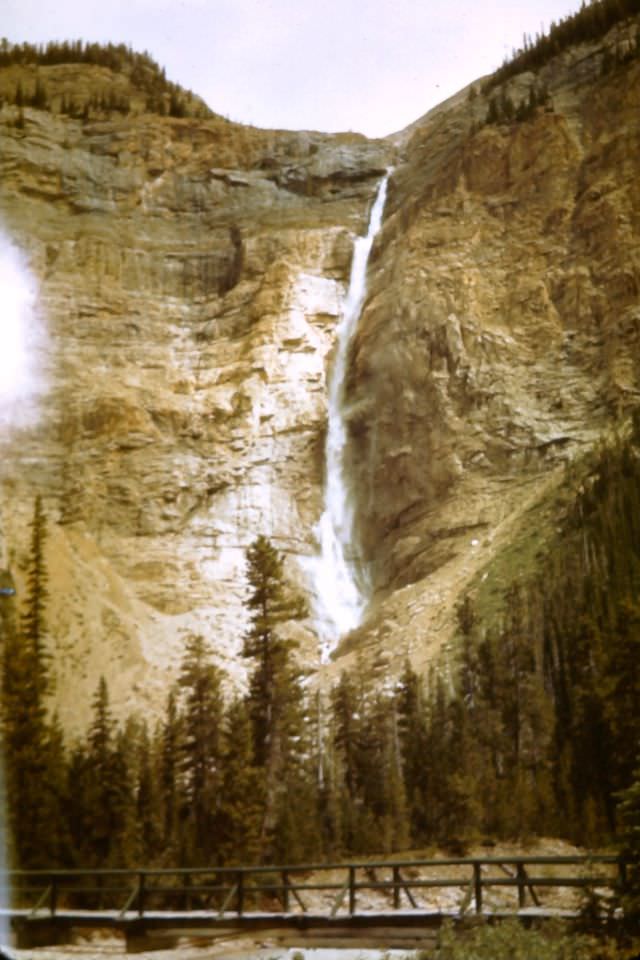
192 272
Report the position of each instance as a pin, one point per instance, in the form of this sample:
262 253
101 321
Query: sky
368 65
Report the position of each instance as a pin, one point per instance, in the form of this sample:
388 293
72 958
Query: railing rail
231 891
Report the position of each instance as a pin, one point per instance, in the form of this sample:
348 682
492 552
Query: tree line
532 729
146 77
590 23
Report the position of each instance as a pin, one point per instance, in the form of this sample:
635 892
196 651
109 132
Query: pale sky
367 65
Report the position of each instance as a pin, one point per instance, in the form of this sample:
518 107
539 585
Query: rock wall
191 276
500 341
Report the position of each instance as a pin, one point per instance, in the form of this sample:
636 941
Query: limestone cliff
192 273
501 337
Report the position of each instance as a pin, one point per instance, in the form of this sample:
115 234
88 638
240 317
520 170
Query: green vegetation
145 80
629 811
590 23
511 941
275 706
31 749
503 110
533 731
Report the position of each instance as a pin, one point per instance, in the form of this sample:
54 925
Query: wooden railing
217 893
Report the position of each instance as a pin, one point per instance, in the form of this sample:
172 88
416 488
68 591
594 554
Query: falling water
341 584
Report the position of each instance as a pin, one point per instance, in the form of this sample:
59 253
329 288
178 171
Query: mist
22 338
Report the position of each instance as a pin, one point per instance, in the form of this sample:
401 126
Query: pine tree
109 789
33 621
170 783
147 832
57 848
25 683
39 99
241 809
99 763
125 827
629 816
396 815
201 748
274 699
413 736
297 832
79 812
346 728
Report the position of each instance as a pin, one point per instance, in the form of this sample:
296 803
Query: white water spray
341 585
21 381
20 338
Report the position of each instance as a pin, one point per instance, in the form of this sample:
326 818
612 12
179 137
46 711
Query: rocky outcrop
191 274
501 336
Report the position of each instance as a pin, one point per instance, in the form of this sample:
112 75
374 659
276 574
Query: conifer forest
531 729
526 726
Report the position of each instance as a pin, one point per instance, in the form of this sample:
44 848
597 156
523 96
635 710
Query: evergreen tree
297 832
39 99
346 730
57 848
79 812
25 683
33 620
201 748
413 736
396 826
629 815
109 790
274 699
126 830
241 808
170 784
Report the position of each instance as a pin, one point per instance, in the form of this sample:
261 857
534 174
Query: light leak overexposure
20 337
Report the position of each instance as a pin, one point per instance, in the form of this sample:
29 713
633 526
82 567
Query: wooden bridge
395 902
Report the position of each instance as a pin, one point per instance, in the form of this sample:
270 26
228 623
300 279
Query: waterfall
340 580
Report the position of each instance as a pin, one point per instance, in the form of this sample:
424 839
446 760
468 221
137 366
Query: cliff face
192 273
500 341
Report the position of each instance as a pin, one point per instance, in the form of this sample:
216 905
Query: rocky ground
236 949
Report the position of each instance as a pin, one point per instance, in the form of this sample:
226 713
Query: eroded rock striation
191 275
500 341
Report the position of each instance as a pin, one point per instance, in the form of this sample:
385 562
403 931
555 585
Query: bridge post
141 893
53 895
396 888
240 893
186 896
477 885
352 890
622 873
285 891
522 879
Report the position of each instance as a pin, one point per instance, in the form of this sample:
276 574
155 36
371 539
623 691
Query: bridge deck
392 900
163 929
